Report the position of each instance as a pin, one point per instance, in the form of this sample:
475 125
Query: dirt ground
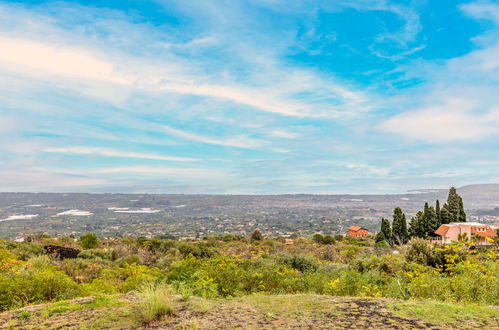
251 312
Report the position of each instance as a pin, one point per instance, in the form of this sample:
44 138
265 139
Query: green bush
95 253
200 250
154 301
36 282
132 259
89 241
301 263
421 251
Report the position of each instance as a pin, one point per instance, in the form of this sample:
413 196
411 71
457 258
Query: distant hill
479 196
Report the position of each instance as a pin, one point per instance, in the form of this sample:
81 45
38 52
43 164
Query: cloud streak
114 153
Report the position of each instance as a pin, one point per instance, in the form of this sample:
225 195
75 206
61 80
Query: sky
248 96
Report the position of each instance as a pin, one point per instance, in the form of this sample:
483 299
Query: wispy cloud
250 96
236 141
174 172
284 134
114 153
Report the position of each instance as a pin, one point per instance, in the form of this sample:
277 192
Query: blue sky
262 96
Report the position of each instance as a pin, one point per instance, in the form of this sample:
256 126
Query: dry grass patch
292 305
155 300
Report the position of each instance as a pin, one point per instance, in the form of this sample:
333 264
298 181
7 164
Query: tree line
425 222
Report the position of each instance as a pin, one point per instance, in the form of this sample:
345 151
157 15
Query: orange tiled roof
442 230
355 228
489 232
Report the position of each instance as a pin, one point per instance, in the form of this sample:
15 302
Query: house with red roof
452 232
356 231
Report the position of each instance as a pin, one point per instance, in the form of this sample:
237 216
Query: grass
291 305
60 308
24 315
104 301
445 313
203 305
154 301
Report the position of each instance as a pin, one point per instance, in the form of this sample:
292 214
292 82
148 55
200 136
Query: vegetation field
232 282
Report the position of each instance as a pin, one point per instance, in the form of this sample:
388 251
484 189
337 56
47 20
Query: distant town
198 216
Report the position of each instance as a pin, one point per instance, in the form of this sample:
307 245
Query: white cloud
114 153
280 133
452 121
482 10
56 59
365 168
67 57
37 180
235 141
174 172
459 101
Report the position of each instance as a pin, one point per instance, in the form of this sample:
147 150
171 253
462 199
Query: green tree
318 238
456 207
257 235
417 225
462 214
445 215
432 222
413 228
437 209
426 219
89 241
328 240
399 227
420 225
386 232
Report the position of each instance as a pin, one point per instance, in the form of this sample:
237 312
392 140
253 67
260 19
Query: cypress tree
453 202
437 209
462 214
386 231
420 227
432 222
399 226
413 228
456 207
426 220
445 214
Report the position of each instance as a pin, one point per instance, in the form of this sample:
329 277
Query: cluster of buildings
480 233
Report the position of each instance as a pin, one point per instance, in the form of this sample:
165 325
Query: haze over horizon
258 97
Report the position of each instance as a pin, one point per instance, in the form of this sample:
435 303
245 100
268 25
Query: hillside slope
254 312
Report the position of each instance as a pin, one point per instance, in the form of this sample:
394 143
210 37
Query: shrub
200 250
154 301
301 263
257 235
317 238
137 275
387 264
328 239
36 282
95 253
25 251
132 259
421 251
89 241
165 261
